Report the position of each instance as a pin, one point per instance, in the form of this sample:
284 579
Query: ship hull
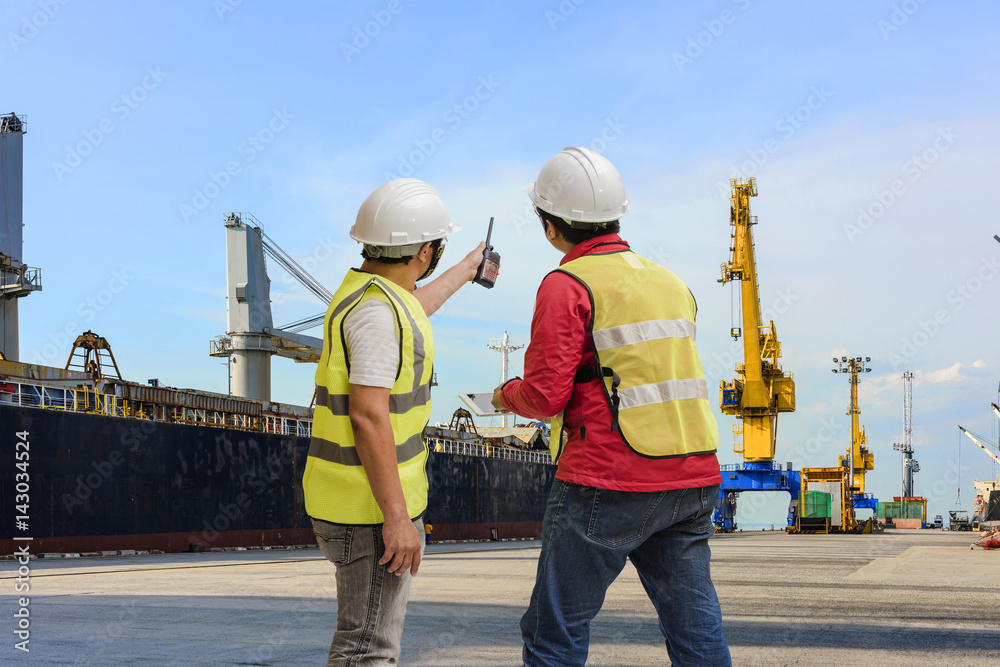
100 483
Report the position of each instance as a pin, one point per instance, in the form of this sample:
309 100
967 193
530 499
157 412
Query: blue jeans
587 535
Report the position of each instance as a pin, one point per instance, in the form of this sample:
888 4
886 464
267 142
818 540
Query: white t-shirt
372 344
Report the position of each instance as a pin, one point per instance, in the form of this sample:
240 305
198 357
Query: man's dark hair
576 235
435 244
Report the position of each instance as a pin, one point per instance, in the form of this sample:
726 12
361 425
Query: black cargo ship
117 465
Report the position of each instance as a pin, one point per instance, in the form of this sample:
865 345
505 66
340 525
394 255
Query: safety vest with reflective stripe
335 484
643 333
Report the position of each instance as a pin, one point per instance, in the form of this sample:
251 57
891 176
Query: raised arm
433 295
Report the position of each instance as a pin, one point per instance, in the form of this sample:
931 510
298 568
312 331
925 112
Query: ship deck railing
87 399
65 399
487 451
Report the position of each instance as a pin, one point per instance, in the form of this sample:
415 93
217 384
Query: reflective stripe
338 404
642 332
661 392
348 301
632 260
348 456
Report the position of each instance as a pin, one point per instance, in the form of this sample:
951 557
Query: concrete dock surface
899 598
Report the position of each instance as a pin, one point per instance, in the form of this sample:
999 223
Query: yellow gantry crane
762 389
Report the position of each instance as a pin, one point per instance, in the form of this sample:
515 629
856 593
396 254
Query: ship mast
505 346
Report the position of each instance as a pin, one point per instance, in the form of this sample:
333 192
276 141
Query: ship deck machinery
762 389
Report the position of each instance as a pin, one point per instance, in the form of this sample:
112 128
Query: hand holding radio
487 273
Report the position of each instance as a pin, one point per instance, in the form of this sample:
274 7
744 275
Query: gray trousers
371 603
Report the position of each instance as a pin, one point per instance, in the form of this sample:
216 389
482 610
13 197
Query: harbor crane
978 441
761 389
250 337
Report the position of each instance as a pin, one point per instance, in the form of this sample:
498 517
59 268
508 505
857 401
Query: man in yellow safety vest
365 481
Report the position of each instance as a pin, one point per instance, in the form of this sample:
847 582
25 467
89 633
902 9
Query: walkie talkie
488 270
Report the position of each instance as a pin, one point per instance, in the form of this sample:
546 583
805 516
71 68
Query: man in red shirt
613 362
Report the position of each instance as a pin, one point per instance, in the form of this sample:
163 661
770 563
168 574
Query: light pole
854 366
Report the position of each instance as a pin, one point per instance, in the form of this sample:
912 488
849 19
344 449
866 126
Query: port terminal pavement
899 598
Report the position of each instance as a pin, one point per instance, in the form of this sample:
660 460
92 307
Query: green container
815 505
913 510
900 510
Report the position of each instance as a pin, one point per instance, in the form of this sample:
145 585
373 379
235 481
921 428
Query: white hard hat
405 212
582 186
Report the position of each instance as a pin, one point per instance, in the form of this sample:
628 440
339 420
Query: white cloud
953 373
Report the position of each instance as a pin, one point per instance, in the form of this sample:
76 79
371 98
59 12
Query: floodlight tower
858 459
505 346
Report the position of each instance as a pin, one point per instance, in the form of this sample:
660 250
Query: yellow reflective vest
643 332
335 484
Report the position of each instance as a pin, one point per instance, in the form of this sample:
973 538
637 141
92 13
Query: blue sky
872 128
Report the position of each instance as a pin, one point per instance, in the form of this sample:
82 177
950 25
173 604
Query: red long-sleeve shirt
560 344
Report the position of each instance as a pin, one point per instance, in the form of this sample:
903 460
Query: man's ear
551 233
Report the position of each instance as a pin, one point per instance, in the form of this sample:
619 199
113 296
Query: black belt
599 373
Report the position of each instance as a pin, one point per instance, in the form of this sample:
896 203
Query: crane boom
762 389
979 442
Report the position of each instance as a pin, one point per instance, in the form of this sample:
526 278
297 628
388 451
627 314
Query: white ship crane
17 280
979 441
251 338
